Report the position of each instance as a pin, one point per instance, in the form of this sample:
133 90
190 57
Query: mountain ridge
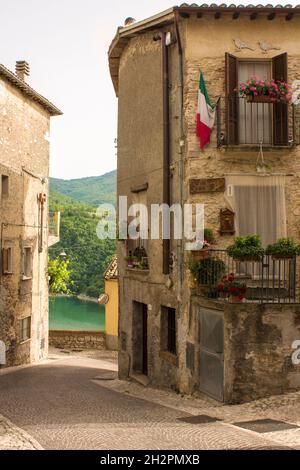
91 190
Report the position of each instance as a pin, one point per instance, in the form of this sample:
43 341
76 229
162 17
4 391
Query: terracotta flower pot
235 299
278 257
201 254
260 99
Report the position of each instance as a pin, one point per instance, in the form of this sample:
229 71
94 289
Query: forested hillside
88 255
94 190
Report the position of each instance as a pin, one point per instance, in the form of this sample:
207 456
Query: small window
169 330
4 186
27 263
7 267
25 333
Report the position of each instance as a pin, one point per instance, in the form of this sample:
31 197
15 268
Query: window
254 120
169 330
266 215
7 267
27 263
25 333
4 186
252 123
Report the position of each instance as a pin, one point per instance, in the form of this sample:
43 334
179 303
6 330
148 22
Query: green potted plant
246 248
207 271
284 248
232 288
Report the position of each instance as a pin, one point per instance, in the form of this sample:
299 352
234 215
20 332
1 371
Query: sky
66 44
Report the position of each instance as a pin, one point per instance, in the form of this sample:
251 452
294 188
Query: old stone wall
258 351
77 340
210 58
24 158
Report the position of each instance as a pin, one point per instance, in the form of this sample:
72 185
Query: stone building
173 333
24 175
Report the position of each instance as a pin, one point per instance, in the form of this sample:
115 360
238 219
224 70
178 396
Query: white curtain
259 205
255 119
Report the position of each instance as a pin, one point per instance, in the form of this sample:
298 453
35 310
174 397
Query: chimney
22 69
129 21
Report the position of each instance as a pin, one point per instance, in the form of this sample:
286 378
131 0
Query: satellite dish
103 299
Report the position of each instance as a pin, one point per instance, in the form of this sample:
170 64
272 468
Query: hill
88 255
94 190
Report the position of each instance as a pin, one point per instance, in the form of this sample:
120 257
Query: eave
29 92
165 18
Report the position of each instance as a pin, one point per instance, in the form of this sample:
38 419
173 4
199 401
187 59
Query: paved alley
69 404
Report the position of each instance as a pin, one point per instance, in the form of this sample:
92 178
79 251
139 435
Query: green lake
69 313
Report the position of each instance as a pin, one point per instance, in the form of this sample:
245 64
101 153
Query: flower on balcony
276 91
231 287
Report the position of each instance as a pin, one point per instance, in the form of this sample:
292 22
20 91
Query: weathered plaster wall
112 314
140 161
24 157
258 351
205 42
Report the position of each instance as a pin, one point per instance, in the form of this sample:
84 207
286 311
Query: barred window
169 330
25 329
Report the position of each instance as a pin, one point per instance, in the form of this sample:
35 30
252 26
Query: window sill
138 271
7 273
25 278
169 357
255 148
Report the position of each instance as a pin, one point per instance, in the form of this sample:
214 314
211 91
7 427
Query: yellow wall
112 308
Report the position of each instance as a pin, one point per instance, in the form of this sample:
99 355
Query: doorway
212 353
140 338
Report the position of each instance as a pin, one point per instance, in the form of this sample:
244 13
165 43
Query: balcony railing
53 228
270 124
137 254
268 281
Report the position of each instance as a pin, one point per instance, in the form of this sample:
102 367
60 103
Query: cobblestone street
77 403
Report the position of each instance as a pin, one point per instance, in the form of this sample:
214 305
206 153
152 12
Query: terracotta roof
112 270
232 5
164 18
28 91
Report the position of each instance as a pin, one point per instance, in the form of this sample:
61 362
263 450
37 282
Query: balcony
53 228
137 255
267 281
249 124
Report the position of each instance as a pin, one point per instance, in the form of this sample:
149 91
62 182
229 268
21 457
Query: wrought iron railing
240 122
270 280
137 254
54 224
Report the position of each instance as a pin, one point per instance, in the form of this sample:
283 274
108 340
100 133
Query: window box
260 99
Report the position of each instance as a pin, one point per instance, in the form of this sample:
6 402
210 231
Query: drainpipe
181 144
161 36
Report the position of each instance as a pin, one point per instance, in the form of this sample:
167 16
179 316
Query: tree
59 276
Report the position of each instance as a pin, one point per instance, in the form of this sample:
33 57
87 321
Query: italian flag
205 114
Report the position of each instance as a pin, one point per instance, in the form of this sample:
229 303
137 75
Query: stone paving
73 402
13 438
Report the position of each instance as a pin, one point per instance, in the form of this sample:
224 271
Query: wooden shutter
280 119
5 260
231 81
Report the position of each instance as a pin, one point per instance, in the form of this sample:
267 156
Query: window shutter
4 261
280 121
231 81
